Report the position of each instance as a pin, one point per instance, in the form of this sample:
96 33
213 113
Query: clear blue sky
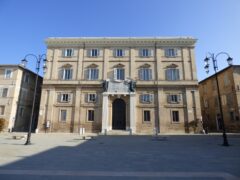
26 23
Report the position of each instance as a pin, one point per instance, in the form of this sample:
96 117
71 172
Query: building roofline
180 40
20 67
219 72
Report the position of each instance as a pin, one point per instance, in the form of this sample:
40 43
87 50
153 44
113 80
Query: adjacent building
16 97
229 85
140 85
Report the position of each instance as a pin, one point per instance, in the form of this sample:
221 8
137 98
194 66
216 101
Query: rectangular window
67 74
119 74
171 52
119 53
93 74
146 115
21 111
2 109
144 52
92 97
68 52
145 74
146 98
175 116
3 92
172 74
63 115
26 78
8 73
65 97
90 115
94 52
174 98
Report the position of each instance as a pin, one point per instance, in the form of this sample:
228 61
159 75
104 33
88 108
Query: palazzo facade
140 85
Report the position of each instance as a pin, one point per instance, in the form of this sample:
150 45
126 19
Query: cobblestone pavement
70 156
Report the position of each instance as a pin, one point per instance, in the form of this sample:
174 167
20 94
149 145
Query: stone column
105 113
133 112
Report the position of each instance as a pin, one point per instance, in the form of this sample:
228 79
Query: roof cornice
120 41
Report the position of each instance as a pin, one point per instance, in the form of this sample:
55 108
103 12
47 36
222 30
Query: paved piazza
69 156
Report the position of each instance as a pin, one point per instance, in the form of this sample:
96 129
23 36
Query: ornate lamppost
215 67
38 58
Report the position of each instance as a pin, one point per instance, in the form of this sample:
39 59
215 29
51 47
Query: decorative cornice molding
118 41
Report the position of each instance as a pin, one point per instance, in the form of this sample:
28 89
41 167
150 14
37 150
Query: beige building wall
160 110
229 82
16 105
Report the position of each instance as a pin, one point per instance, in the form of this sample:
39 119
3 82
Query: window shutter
59 97
115 73
72 52
151 97
60 74
177 71
141 98
168 74
86 97
140 52
166 52
123 52
88 75
175 51
63 52
69 97
150 74
89 52
96 97
179 97
97 73
71 73
151 51
98 52
168 98
140 74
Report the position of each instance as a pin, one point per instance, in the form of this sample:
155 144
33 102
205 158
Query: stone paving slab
69 156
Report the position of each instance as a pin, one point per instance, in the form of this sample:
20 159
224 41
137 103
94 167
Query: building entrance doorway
119 114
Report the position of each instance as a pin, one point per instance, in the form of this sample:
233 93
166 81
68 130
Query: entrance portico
118 108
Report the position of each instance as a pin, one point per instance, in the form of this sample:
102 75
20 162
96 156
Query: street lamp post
215 67
38 58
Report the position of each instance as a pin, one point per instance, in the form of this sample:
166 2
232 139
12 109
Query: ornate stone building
140 85
229 85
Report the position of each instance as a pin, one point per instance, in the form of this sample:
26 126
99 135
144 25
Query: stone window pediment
66 66
92 66
118 65
171 66
145 66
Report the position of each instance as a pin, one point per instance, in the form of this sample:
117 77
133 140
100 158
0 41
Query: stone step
118 132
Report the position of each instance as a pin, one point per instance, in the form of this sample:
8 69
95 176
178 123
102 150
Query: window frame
68 52
146 98
6 75
67 73
172 74
90 115
93 74
174 116
94 52
174 98
60 115
119 74
146 116
145 74
119 52
89 95
170 52
3 92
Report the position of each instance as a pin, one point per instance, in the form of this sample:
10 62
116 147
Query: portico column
133 112
105 113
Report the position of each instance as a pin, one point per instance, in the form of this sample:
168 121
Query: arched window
92 72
